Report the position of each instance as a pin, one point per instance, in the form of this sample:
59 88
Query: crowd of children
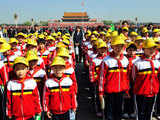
37 77
124 72
38 81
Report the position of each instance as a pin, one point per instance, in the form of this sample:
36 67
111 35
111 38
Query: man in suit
78 38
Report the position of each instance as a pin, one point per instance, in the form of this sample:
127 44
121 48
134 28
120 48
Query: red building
74 19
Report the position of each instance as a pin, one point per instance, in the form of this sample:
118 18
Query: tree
107 22
27 23
44 23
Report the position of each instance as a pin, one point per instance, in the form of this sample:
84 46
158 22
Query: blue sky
145 10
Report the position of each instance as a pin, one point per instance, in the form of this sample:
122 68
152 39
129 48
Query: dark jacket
78 38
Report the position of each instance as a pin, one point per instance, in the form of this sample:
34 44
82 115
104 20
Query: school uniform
113 83
23 100
59 97
146 86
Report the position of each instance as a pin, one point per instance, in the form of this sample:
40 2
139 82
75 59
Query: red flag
82 3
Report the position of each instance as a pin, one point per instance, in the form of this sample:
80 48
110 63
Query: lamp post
16 19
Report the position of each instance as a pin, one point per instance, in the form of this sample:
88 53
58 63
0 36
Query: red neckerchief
21 81
101 56
59 81
154 56
120 67
42 51
152 65
35 70
130 61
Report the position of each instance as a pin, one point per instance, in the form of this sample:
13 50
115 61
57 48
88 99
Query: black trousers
144 107
114 103
157 107
65 116
129 103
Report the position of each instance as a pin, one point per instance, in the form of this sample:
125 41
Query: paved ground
86 108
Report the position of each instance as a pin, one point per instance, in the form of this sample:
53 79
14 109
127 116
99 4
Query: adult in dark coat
78 38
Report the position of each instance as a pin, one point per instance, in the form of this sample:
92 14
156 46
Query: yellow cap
133 34
21 60
54 34
144 30
35 34
102 33
66 41
95 33
60 44
5 47
67 34
108 34
155 39
30 34
114 34
89 33
32 55
98 41
94 39
58 61
149 43
41 36
109 30
125 28
65 37
2 40
63 52
59 33
131 43
139 38
51 38
13 40
118 40
45 33
101 45
21 34
32 42
123 36
156 30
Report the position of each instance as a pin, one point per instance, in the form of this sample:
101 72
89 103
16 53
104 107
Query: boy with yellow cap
139 44
44 53
2 40
59 95
146 81
129 112
113 80
23 101
94 73
51 43
9 57
69 68
21 43
14 50
36 71
3 81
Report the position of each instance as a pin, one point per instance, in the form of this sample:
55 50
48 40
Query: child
59 95
146 82
113 79
36 71
3 80
23 102
129 112
14 43
94 72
